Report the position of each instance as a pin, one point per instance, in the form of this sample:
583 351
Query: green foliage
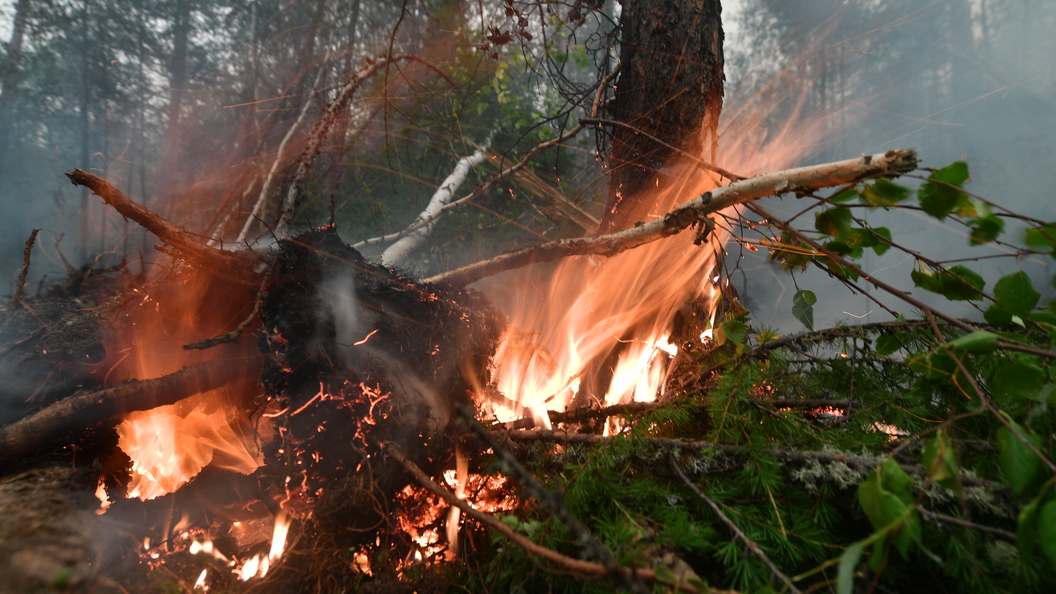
803 307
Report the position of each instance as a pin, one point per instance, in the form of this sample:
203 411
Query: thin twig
733 528
702 164
20 283
568 563
233 335
937 517
693 213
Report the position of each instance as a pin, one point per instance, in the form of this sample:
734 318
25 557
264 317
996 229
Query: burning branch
236 264
568 563
105 405
693 213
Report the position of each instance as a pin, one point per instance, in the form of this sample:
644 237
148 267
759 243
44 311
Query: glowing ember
170 445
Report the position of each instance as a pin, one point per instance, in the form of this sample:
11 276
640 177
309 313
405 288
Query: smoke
955 79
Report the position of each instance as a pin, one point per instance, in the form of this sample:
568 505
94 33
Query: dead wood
85 410
693 213
236 265
20 284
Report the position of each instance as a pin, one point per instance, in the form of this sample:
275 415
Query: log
92 408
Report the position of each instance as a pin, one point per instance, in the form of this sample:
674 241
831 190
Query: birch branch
503 173
693 213
397 253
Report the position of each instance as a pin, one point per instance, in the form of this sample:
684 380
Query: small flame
259 564
199 584
104 501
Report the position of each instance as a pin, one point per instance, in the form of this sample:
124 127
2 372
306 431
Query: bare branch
236 264
693 213
20 283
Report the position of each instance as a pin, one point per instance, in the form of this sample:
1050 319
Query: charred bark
671 87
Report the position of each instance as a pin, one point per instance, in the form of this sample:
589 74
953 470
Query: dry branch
85 410
694 212
567 563
238 265
20 283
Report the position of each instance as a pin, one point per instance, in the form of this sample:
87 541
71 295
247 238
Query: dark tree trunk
670 87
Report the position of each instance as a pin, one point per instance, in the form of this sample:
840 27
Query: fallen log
85 410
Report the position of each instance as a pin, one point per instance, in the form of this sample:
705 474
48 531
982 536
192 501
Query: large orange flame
610 320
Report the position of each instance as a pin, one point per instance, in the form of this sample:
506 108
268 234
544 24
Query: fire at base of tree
262 407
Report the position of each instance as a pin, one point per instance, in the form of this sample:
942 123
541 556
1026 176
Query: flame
599 330
259 564
104 501
171 444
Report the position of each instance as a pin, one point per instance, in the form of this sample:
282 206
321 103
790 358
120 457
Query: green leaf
884 193
996 315
665 575
844 196
1042 237
1019 465
1017 380
896 480
939 199
1016 293
887 344
986 229
956 173
734 330
979 342
834 222
956 284
940 461
802 307
1027 529
848 562
1047 531
881 247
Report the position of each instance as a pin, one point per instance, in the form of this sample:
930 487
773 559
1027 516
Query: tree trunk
9 76
670 87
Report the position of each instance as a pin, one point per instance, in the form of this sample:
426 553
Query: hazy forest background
184 105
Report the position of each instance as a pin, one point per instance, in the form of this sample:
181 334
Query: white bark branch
694 212
397 253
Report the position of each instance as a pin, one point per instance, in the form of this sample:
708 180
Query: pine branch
567 563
